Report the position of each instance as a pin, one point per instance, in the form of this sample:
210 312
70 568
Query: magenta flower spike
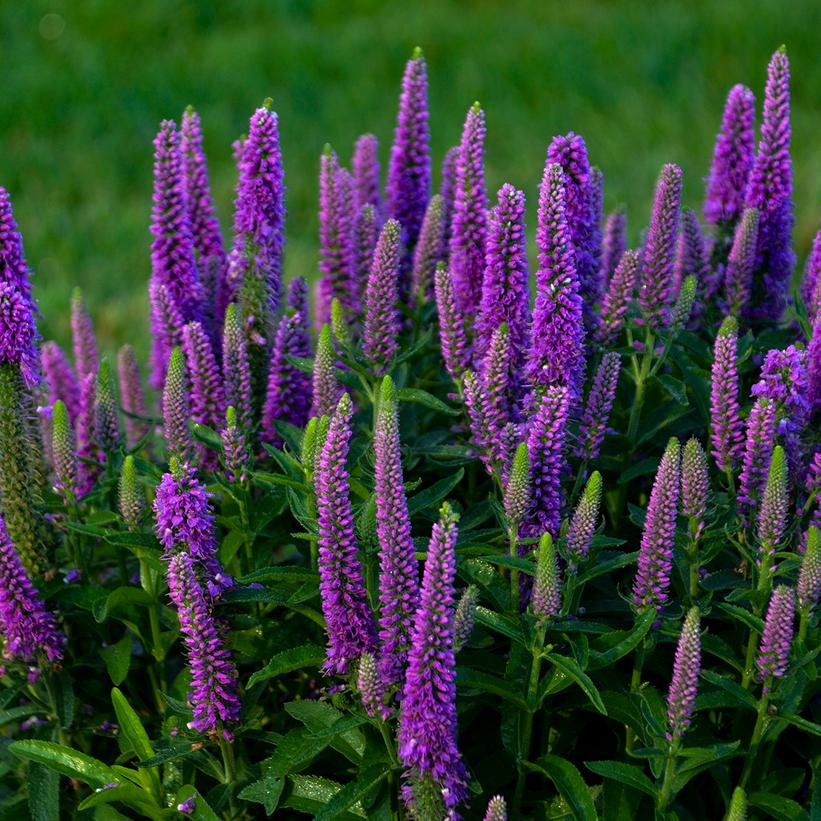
398 570
545 445
337 255
60 378
214 693
505 287
597 408
695 485
655 561
811 285
814 369
447 189
681 696
29 631
774 650
380 335
769 190
616 302
808 588
557 332
430 250
90 457
366 235
582 195
167 323
738 277
614 242
176 409
658 257
496 809
498 379
365 168
372 691
326 389
14 269
584 522
86 357
132 395
409 170
206 397
758 448
691 256
452 333
436 776
468 227
236 371
732 158
349 622
235 452
726 428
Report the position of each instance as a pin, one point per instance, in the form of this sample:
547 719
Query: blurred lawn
85 84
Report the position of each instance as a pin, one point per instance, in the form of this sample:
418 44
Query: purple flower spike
206 396
167 323
732 158
695 485
598 406
366 235
814 368
107 424
498 378
234 448
184 523
255 263
176 409
337 256
681 697
758 450
557 331
581 193
30 632
455 349
650 589
365 166
409 175
658 257
86 432
214 689
738 278
205 226
584 522
447 189
619 294
505 288
398 571
371 688
380 336
691 255
770 191
811 286
131 496
772 517
132 395
517 489
726 429
348 619
545 445
476 407
60 378
437 780
430 250
236 371
18 334
496 809
86 358
808 589
326 388
776 640
14 269
469 220
289 388
64 454
614 243
464 617
546 600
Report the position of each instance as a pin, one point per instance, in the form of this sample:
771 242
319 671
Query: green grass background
86 82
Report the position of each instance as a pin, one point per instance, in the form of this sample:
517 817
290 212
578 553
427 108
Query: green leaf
65 761
740 696
643 468
16 713
569 783
802 723
699 759
477 680
624 773
435 493
620 642
117 658
310 793
506 625
131 727
777 806
128 794
327 723
675 387
570 668
285 574
511 562
43 792
267 791
427 399
353 793
308 655
603 568
119 600
202 812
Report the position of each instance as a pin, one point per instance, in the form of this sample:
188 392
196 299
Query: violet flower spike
455 348
732 158
430 250
176 410
772 516
409 170
557 331
681 697
348 619
498 376
130 496
30 632
18 335
14 269
517 489
371 688
86 433
808 588
398 570
814 369
584 522
738 278
758 448
60 378
811 284
468 225
107 420
214 693
167 323
132 396
64 453
619 295
365 167
774 650
658 256
726 428
496 809
695 486
655 561
597 408
476 407
235 453
614 243
691 256
206 397
366 235
546 600
464 617
505 287
236 370
326 389
380 335
427 720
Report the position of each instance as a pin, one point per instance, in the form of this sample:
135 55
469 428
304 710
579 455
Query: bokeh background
86 82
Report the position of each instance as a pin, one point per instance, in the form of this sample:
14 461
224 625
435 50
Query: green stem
758 731
692 559
669 774
802 626
635 683
389 745
514 573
